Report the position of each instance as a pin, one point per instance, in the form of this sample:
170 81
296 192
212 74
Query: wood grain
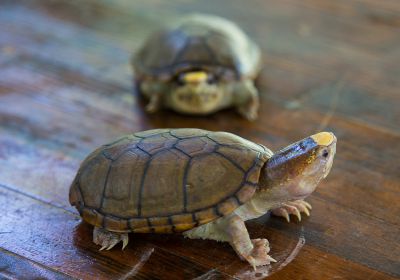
66 87
17 267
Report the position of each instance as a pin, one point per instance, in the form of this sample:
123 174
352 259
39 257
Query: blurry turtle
199 65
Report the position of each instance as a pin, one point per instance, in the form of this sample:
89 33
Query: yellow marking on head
195 77
323 138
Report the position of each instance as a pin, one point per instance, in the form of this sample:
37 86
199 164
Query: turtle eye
211 79
179 80
325 153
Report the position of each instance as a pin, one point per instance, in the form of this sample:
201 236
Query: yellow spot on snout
323 138
195 77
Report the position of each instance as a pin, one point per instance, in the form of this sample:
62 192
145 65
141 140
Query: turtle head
295 171
196 92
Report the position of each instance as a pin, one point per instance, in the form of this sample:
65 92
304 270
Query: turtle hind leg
107 239
233 230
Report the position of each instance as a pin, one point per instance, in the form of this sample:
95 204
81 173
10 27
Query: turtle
199 183
198 65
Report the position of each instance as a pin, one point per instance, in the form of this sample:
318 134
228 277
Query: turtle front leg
233 230
246 99
255 251
107 239
295 207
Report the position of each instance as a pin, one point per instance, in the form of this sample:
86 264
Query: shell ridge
116 141
144 151
185 174
230 160
147 165
79 202
209 50
139 198
170 133
179 54
105 186
185 185
130 149
78 186
237 199
239 147
149 224
171 223
107 156
256 164
194 219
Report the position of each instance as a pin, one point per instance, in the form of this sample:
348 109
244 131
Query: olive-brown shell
198 42
166 180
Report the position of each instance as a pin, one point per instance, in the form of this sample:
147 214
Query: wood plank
324 215
355 137
315 264
147 255
55 238
17 267
66 67
364 84
285 248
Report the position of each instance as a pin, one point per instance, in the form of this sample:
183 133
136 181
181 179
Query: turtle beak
195 78
324 138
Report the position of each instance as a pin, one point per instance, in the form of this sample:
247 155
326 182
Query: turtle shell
167 180
202 42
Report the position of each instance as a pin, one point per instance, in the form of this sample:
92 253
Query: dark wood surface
66 87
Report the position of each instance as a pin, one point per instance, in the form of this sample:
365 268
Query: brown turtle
204 184
199 65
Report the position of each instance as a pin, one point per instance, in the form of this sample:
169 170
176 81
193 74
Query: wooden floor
65 88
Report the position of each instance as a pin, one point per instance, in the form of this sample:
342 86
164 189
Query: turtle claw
259 254
151 108
297 213
282 212
250 114
107 239
293 207
308 205
125 241
102 248
113 242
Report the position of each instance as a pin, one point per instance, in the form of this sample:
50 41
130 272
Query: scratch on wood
207 276
143 259
295 251
332 108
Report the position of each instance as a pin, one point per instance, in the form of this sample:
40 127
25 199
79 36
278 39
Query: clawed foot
152 107
294 208
249 112
108 239
259 254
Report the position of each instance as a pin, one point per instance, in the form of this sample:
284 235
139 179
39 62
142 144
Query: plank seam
8 252
37 199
